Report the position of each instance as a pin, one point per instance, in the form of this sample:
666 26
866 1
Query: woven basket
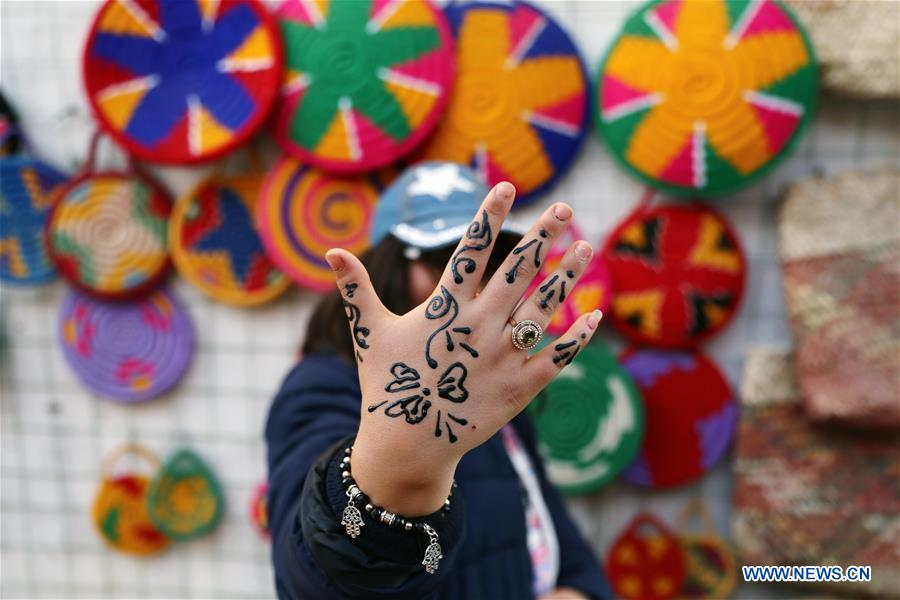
182 81
520 106
702 97
365 81
840 252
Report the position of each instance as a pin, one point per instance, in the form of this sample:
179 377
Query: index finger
466 267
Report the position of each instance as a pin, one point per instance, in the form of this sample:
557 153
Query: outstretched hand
443 378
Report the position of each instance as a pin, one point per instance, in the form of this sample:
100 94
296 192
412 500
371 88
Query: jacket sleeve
313 417
578 567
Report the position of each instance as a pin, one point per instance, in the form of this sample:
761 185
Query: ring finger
545 299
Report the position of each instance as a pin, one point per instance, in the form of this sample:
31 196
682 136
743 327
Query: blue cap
430 205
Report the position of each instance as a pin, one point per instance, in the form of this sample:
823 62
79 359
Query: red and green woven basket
365 80
702 97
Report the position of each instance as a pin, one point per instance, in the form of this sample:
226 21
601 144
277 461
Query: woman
393 472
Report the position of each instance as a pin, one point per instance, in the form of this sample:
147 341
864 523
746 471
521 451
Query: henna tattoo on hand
413 406
440 307
480 231
353 313
566 352
446 423
549 292
538 243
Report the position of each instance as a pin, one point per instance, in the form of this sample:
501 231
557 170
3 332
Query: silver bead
447 502
369 508
387 517
408 526
345 474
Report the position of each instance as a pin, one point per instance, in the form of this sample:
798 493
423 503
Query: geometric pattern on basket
215 244
126 352
108 235
678 274
520 105
365 80
703 96
185 499
27 190
689 413
304 212
182 81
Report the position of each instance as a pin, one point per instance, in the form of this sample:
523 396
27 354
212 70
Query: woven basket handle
644 521
696 511
90 165
126 449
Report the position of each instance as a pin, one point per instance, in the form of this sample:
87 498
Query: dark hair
387 265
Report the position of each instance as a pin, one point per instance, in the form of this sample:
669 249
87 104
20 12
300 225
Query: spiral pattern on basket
127 352
182 80
589 421
365 80
303 213
704 95
185 499
216 246
519 109
108 234
27 190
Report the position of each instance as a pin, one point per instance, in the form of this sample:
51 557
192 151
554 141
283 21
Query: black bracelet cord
352 518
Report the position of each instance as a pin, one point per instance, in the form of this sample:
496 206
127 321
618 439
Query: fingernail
583 251
594 319
505 190
335 261
562 211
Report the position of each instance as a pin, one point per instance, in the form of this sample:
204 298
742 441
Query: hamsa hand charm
433 556
352 521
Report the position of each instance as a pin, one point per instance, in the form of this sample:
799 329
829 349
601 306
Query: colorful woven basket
120 506
702 97
185 500
259 511
28 189
645 561
108 232
520 106
215 244
10 134
182 81
589 421
710 566
678 273
593 291
304 212
127 352
365 81
690 416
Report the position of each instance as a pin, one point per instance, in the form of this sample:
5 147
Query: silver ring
525 334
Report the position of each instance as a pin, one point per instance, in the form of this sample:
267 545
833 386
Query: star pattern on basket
519 103
345 66
230 231
702 94
178 72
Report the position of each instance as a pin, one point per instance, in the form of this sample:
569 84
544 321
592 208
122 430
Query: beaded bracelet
352 521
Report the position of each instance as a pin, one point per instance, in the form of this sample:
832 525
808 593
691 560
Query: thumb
361 304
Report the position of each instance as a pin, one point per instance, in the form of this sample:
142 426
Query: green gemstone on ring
529 337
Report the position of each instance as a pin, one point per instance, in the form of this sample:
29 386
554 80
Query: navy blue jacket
483 536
